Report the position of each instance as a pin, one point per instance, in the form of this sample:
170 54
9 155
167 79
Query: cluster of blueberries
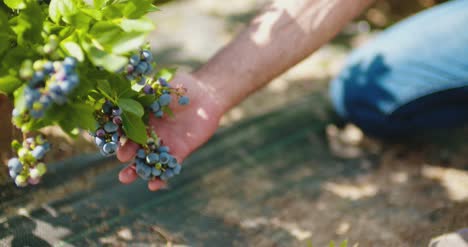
156 162
140 66
165 99
50 83
28 167
109 131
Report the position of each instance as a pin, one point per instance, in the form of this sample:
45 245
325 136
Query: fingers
127 151
156 184
128 174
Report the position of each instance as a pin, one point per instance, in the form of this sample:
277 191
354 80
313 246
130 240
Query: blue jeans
411 78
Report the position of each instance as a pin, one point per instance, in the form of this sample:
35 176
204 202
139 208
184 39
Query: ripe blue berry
164 158
159 114
165 99
164 149
39 152
15 165
143 170
163 82
184 100
172 162
177 169
156 172
116 112
147 55
155 106
99 141
152 158
109 148
111 127
134 60
141 153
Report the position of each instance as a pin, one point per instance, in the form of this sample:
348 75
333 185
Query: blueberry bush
84 65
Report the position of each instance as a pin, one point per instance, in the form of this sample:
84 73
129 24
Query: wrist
221 98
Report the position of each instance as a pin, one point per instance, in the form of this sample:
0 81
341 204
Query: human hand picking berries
191 126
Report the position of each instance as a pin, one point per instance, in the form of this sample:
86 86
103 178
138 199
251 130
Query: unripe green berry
41 168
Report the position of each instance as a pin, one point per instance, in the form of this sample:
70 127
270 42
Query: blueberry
134 60
141 153
142 81
15 165
141 67
116 112
39 152
184 100
130 68
36 114
111 127
177 169
13 174
100 133
167 174
163 149
143 171
109 148
164 157
34 173
21 181
46 146
149 69
67 87
163 82
115 138
48 67
46 101
148 89
155 106
156 172
152 158
117 120
147 55
172 162
73 79
99 141
165 99
70 62
107 107
159 114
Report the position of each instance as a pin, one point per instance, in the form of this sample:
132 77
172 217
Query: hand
192 126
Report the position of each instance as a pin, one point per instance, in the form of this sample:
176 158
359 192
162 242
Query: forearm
283 35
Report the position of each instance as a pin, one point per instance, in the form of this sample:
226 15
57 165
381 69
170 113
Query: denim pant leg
411 78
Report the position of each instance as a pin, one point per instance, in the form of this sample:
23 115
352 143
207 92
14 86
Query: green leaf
15 4
168 111
62 9
74 116
108 61
29 23
106 90
134 128
8 84
20 102
137 25
115 40
344 243
166 74
132 106
73 49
